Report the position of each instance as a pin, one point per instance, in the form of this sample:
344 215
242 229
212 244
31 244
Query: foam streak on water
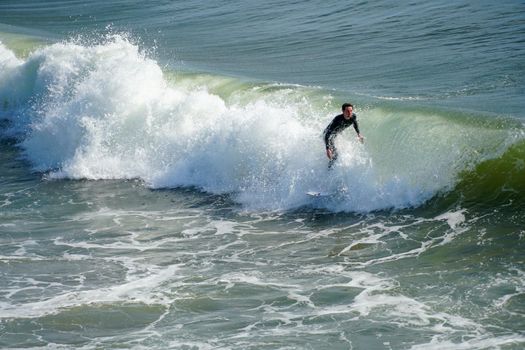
197 277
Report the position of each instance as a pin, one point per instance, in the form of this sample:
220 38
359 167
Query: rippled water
155 160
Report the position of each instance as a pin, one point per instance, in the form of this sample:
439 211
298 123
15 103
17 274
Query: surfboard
319 194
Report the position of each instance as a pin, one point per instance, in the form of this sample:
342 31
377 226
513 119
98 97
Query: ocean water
155 159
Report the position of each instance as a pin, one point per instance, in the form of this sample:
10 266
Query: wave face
108 111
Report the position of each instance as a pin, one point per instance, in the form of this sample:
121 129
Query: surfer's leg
334 157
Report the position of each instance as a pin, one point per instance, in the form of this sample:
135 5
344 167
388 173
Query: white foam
140 289
454 219
476 342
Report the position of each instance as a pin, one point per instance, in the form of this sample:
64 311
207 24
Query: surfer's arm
329 153
329 135
356 128
328 139
329 142
356 125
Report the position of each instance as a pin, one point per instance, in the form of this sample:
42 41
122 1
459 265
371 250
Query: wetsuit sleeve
356 126
328 135
327 138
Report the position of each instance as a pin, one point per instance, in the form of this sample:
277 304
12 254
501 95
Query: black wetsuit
338 124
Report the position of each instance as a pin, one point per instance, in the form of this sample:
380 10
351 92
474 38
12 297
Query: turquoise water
155 160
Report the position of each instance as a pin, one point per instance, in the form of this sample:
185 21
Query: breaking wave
108 111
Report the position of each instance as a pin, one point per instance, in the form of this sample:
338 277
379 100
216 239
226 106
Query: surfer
338 124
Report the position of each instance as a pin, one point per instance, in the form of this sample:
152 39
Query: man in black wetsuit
338 124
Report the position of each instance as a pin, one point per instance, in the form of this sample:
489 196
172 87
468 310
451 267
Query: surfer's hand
360 138
329 153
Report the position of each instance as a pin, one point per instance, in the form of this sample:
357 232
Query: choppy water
155 161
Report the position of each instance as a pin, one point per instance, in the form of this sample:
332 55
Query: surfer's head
347 108
346 105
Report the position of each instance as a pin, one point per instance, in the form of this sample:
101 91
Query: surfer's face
348 112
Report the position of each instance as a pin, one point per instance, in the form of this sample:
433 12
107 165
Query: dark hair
346 105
